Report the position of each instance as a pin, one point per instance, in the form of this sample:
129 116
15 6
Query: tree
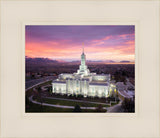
50 90
77 108
39 89
99 108
128 105
39 97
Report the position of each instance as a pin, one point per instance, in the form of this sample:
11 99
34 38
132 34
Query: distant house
121 86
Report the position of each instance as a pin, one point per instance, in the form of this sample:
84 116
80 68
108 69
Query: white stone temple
82 82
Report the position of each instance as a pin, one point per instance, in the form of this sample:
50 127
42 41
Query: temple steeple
83 68
83 58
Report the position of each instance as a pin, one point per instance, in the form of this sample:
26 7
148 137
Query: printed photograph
79 69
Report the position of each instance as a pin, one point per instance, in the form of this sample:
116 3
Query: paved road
31 83
114 109
59 106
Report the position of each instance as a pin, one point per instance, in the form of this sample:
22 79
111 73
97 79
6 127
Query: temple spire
83 48
83 67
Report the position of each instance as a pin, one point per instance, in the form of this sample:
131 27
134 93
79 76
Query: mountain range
50 61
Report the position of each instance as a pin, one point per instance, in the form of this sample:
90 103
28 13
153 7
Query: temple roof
99 84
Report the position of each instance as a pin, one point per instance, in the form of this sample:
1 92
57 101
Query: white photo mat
16 14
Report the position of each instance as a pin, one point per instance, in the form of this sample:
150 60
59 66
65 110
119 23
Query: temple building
82 82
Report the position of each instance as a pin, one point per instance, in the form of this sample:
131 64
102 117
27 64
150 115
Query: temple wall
80 87
59 88
98 90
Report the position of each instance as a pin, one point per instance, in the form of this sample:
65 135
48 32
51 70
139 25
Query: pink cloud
65 49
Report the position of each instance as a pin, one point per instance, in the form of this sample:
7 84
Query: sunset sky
100 42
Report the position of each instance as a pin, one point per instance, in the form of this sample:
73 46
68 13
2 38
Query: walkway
59 106
44 87
75 100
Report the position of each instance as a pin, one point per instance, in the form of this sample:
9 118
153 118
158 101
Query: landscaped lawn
46 83
70 103
35 108
91 99
114 103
